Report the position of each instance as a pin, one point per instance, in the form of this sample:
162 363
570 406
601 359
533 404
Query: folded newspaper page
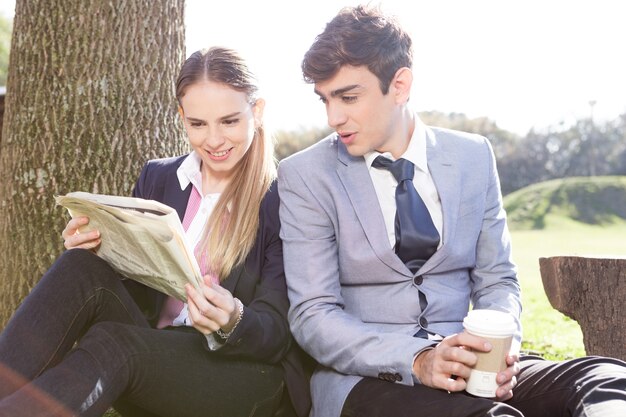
141 239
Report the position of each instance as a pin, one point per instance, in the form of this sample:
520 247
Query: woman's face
220 124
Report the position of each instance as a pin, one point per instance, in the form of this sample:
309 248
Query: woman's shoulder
165 164
270 201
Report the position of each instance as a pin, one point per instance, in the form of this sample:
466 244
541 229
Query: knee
603 366
601 388
80 266
600 373
106 341
73 258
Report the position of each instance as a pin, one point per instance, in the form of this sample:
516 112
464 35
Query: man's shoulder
319 154
458 136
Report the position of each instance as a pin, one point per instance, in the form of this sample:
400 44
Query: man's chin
355 150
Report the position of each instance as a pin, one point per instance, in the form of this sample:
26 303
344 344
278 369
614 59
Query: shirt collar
415 152
188 171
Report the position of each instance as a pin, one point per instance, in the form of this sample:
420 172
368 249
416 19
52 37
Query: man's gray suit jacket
354 304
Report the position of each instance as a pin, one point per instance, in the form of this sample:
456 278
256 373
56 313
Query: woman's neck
213 182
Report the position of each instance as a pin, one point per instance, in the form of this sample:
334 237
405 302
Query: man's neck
401 138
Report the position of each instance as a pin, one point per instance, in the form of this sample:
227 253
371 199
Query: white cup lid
490 323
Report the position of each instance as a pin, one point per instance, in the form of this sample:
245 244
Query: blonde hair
231 230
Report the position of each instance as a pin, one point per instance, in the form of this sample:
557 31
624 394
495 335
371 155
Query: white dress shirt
189 172
385 183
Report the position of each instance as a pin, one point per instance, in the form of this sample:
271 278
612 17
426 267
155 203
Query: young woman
86 339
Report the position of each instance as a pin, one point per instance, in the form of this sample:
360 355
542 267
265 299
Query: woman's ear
181 112
257 112
401 85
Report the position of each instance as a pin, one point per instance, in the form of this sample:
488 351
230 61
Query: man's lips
347 137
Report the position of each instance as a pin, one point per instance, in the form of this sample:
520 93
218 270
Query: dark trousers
591 387
79 343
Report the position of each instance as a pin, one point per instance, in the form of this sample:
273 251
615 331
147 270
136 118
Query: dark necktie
416 236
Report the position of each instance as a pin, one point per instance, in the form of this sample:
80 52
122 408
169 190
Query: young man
378 299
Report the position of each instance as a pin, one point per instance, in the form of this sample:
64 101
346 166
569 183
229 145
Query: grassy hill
589 200
573 216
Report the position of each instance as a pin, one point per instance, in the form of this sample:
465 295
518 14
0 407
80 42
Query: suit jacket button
398 377
418 280
423 322
381 376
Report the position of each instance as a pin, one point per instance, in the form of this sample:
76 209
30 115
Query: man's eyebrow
338 91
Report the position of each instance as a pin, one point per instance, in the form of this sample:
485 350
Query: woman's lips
220 155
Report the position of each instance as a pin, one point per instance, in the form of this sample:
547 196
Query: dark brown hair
358 36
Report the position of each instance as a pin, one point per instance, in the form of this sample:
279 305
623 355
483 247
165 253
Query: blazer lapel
353 174
230 283
447 181
173 196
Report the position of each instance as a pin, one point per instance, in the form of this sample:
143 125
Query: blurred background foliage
587 148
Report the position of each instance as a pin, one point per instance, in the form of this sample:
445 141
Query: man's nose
336 116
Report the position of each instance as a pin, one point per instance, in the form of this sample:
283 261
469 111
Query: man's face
364 118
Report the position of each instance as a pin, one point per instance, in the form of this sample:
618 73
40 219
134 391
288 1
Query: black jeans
79 343
590 387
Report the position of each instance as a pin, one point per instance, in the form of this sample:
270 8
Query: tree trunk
592 292
90 98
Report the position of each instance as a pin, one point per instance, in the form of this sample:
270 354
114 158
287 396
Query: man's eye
348 99
323 100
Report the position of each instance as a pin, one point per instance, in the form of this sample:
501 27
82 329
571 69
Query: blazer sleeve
494 276
318 321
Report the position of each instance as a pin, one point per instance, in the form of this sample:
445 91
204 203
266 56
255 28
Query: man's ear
401 85
257 111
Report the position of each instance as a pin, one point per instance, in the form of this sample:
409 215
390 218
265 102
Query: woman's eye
229 122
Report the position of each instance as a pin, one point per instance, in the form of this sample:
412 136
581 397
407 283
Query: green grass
591 200
578 216
546 331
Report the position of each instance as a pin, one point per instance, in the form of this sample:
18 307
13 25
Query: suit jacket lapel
353 174
173 196
448 182
230 283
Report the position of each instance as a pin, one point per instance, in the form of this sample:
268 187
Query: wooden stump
591 291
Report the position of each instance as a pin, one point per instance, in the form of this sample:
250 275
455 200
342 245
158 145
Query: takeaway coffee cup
498 328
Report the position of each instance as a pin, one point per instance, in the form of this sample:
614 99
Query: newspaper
141 239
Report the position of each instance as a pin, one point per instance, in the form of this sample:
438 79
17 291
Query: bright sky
522 63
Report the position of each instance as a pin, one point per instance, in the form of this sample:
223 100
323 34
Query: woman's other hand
73 238
213 308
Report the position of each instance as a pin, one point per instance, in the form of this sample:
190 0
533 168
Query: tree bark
592 292
90 98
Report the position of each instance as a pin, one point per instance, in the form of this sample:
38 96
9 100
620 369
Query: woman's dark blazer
259 283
